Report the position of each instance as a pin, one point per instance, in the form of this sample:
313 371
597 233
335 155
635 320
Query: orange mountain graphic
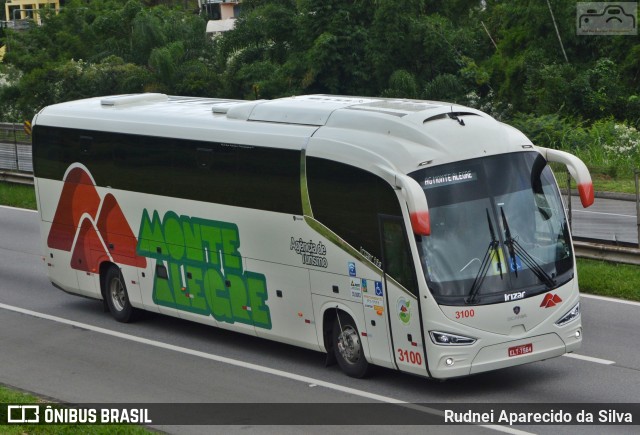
98 238
550 300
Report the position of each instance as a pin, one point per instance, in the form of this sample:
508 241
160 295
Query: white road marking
607 299
589 358
18 208
249 366
605 213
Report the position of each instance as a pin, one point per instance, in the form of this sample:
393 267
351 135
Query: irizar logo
514 296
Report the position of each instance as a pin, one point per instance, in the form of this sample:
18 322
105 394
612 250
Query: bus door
400 291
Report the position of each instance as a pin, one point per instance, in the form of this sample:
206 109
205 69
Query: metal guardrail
16 177
599 251
15 151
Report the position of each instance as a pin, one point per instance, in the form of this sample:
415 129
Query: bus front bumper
507 354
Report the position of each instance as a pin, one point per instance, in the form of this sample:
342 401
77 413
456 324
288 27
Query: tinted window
397 254
232 174
349 200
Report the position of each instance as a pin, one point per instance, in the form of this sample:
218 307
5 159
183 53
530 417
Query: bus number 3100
465 314
409 356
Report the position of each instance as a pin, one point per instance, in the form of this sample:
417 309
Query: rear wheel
117 296
347 347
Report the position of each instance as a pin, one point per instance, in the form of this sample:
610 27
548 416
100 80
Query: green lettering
194 290
150 238
179 290
257 287
212 240
173 235
230 245
217 296
162 292
192 240
238 299
191 249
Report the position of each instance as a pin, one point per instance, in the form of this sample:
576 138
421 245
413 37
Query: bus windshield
498 230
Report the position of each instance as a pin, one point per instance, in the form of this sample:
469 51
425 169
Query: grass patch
17 195
602 182
8 395
609 279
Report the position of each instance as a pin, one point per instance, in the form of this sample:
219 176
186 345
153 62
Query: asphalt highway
606 219
66 348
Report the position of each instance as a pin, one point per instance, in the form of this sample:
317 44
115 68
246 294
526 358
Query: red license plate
521 350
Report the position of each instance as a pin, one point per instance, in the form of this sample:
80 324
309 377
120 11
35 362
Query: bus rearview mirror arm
416 201
577 169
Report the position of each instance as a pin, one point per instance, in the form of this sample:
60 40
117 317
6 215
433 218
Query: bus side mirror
416 200
577 169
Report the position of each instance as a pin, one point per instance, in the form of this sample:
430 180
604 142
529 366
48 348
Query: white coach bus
415 235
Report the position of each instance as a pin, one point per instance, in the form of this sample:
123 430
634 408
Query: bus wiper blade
516 249
494 242
509 242
492 250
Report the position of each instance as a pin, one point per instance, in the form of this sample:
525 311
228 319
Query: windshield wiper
494 242
492 250
515 249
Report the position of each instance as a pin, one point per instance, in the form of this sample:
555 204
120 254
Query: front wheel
347 347
117 296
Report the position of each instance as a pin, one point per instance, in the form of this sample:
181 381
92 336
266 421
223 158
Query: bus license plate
521 350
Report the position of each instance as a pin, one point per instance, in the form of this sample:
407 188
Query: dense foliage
503 57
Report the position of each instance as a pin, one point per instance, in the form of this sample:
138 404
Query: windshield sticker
313 254
517 265
448 179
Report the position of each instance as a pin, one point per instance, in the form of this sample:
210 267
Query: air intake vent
123 100
452 115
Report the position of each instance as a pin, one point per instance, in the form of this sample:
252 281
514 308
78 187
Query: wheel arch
330 311
104 267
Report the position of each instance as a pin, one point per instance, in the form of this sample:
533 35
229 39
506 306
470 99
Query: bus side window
348 200
397 255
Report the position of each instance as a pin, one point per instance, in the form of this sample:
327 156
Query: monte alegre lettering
199 269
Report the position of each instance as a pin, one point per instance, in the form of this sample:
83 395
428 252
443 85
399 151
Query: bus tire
117 297
347 347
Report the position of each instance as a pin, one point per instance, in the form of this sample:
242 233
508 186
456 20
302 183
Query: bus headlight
446 339
572 314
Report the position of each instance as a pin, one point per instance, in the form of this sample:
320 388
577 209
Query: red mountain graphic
78 196
550 300
117 233
89 250
110 238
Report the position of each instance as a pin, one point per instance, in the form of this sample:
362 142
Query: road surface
65 347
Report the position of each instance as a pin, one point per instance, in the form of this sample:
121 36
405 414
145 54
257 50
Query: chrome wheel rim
349 345
118 294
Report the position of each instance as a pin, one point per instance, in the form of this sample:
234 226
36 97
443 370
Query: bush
607 146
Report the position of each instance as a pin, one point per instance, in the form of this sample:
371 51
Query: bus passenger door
401 291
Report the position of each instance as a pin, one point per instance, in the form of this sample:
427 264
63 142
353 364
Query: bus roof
403 132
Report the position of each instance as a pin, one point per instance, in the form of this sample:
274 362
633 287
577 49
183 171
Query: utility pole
557 32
